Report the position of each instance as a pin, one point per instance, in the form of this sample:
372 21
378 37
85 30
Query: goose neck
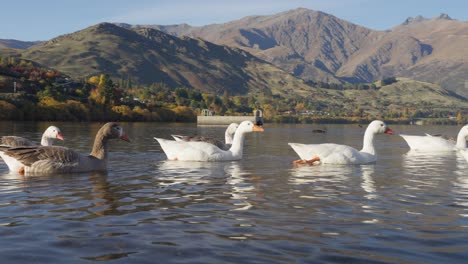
227 137
368 142
100 147
461 141
46 141
237 144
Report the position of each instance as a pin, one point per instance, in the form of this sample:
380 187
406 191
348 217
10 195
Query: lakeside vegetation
31 92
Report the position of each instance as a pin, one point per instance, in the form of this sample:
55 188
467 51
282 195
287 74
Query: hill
150 56
406 93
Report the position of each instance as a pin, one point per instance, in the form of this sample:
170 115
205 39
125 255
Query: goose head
113 130
379 127
53 132
232 128
248 127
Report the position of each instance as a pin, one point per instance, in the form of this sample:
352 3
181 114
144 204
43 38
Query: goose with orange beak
330 153
203 151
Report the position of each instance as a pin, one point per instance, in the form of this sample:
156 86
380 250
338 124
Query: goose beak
60 136
388 131
257 128
124 137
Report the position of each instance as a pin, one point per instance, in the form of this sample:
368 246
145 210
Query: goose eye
381 125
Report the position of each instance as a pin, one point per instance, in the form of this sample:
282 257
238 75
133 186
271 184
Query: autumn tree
459 118
106 89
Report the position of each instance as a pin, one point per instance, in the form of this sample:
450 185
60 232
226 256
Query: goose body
436 143
228 137
330 153
203 151
56 159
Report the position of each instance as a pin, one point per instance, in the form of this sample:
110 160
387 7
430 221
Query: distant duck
330 153
437 143
228 137
49 135
56 159
318 131
203 151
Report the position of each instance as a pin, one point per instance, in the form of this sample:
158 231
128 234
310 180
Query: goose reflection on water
176 174
327 180
241 190
460 185
420 162
425 171
368 183
324 173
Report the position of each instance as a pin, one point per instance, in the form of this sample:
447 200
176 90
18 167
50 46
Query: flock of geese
26 157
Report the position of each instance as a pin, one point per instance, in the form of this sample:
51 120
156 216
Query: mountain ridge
314 45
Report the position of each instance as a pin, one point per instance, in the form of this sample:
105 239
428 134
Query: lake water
405 208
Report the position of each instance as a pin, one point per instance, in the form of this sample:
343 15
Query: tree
124 111
106 89
388 81
459 118
94 80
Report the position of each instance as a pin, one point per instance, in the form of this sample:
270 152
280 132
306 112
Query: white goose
228 137
435 143
341 154
203 151
50 134
55 159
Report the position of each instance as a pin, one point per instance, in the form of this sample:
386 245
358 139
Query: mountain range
317 46
280 55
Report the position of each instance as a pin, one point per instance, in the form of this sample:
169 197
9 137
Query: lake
405 208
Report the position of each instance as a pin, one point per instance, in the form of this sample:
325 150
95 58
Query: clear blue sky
46 19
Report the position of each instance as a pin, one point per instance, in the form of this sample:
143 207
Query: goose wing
191 150
209 140
52 154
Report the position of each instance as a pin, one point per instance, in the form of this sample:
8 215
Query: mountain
310 44
151 56
317 46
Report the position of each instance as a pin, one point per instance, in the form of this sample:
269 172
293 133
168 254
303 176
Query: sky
45 19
